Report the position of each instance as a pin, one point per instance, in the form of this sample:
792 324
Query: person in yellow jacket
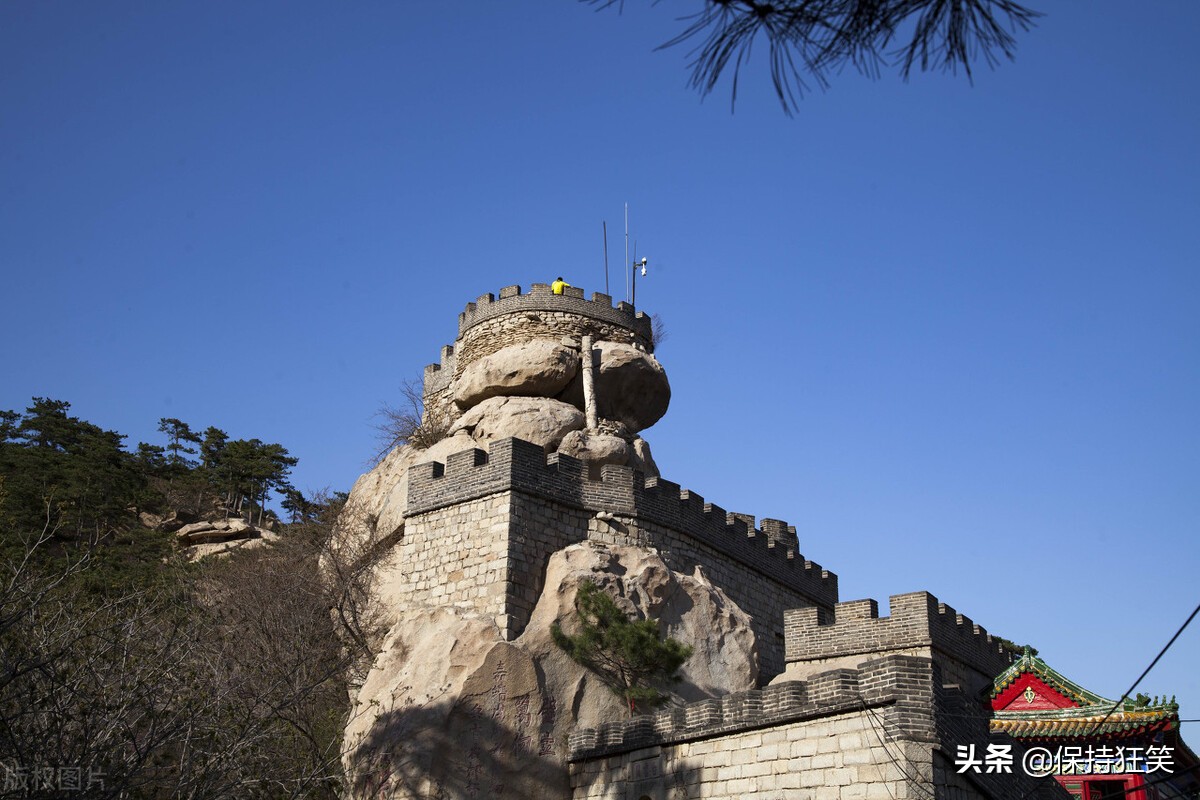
558 285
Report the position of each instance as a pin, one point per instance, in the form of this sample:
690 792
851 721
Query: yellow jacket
557 286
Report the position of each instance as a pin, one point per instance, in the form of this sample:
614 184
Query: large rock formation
534 419
214 537
537 368
595 448
450 710
631 386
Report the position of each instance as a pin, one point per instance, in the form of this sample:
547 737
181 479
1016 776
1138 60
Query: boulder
687 607
220 530
640 458
534 419
449 709
631 386
537 368
597 449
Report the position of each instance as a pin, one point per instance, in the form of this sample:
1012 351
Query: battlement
438 376
904 681
917 620
541 298
516 465
558 315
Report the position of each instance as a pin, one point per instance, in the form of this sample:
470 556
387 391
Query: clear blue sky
948 331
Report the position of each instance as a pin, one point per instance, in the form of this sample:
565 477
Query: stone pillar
589 384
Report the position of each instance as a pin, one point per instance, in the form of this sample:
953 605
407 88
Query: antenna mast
627 249
605 223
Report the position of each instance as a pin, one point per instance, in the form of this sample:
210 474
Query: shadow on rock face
467 749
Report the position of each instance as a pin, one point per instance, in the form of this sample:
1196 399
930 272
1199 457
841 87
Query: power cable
1146 671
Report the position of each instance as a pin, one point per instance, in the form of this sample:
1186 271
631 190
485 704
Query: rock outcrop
449 709
595 448
218 537
535 419
537 368
631 386
640 458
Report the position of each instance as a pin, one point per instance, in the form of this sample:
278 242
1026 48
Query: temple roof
1032 700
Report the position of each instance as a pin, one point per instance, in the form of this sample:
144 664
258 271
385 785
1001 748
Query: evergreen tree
631 655
151 458
211 446
179 435
66 473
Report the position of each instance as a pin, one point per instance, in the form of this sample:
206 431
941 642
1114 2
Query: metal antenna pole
633 272
627 249
606 259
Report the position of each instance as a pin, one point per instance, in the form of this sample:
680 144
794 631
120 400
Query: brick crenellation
901 681
491 323
516 465
917 619
541 298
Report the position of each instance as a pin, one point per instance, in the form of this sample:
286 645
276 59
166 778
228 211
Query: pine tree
631 655
179 435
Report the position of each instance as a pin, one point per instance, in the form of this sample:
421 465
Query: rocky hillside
449 708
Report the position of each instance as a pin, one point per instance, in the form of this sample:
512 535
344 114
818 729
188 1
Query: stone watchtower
542 399
492 323
481 523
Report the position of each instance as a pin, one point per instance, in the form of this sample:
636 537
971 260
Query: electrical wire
1146 671
917 782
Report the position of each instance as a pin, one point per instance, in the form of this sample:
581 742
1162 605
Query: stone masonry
818 639
537 504
852 705
886 729
492 322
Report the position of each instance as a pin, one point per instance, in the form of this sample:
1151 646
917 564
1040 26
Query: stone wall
863 734
521 466
491 323
627 324
918 623
884 731
834 758
438 394
537 530
553 502
456 557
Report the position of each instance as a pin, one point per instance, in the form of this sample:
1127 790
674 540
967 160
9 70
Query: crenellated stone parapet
902 681
514 465
540 298
495 321
917 620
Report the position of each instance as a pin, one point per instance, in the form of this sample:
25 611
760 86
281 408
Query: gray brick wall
884 731
917 620
553 503
523 467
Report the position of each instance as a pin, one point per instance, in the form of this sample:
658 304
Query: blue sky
949 331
